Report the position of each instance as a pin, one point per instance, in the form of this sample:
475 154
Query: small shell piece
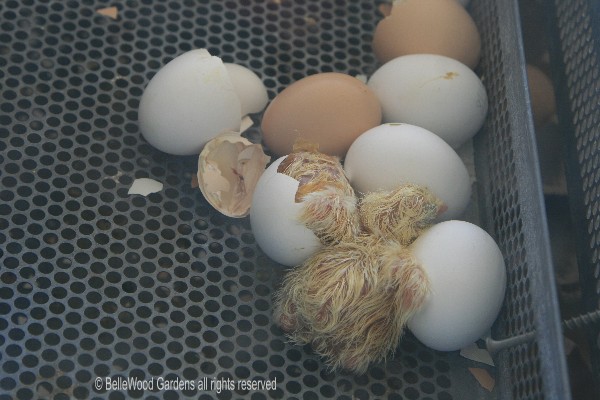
145 186
229 167
111 12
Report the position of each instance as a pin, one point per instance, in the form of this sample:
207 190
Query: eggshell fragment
111 12
275 219
428 27
484 378
474 353
246 124
229 167
188 102
328 109
467 274
145 186
393 154
434 92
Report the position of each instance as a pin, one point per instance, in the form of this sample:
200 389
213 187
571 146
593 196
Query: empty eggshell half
229 168
188 102
275 219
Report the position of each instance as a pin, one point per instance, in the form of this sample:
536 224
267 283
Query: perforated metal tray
97 283
575 34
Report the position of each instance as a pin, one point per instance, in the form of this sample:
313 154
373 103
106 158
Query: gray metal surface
575 29
515 212
95 282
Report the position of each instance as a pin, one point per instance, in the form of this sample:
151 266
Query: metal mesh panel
576 50
506 209
95 282
515 213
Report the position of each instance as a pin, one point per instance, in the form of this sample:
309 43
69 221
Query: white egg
432 91
274 219
188 102
249 87
467 274
392 154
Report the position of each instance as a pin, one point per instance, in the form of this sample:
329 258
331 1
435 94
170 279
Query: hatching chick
351 301
329 202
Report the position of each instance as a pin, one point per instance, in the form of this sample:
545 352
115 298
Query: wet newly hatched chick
351 301
330 277
401 214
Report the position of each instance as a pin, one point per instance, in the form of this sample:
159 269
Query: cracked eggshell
392 154
249 87
434 92
188 102
229 167
274 219
467 275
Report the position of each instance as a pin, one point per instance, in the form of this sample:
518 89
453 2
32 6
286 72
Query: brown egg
541 91
441 27
328 109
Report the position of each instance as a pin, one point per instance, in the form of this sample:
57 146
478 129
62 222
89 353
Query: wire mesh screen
506 210
576 33
515 214
98 283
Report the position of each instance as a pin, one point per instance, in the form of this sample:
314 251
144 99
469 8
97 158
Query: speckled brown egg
441 27
328 109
